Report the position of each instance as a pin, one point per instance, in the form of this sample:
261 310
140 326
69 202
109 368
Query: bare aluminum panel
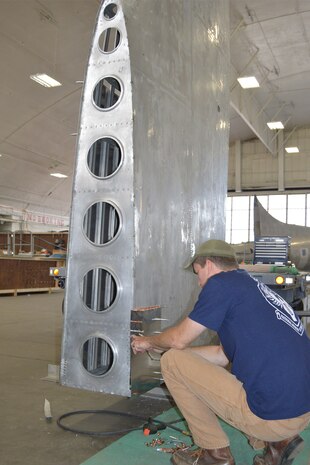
141 203
99 294
180 66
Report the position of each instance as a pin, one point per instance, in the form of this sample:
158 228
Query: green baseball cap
212 248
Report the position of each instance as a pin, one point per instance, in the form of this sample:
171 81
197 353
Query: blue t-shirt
263 339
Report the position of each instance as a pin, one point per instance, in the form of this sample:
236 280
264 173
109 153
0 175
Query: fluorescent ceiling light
275 125
59 175
292 149
45 80
248 82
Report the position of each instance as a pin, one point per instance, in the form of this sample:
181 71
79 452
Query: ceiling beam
252 113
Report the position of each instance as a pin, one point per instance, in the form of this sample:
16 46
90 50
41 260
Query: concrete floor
30 340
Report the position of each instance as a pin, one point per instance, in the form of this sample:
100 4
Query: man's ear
210 265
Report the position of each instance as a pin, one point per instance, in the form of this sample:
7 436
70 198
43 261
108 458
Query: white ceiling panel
270 39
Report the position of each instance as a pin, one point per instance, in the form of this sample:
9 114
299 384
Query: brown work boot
280 453
203 457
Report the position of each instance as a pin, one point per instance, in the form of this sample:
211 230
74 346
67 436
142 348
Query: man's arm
177 337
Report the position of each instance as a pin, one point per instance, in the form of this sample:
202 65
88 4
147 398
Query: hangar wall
163 86
252 167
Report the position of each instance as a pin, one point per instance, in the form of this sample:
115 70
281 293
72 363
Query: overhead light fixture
59 175
292 149
275 125
248 82
213 34
45 80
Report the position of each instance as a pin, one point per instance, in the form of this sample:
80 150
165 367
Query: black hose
117 432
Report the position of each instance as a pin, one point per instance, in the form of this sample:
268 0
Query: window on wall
239 219
277 207
288 208
296 209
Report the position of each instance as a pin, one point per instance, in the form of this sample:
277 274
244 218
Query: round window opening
110 11
101 223
104 157
109 40
99 290
107 93
98 356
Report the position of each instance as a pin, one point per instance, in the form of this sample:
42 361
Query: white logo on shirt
283 310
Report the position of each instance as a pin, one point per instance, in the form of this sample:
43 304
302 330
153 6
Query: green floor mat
132 449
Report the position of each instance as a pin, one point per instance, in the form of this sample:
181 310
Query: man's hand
177 337
140 344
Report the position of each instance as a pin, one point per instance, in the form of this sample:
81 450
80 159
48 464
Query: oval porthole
104 157
110 11
99 290
107 93
98 356
109 40
101 223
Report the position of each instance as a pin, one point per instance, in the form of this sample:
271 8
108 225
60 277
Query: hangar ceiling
38 125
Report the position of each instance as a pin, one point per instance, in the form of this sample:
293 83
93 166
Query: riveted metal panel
170 72
103 363
180 73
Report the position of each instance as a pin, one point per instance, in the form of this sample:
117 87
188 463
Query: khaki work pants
204 391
